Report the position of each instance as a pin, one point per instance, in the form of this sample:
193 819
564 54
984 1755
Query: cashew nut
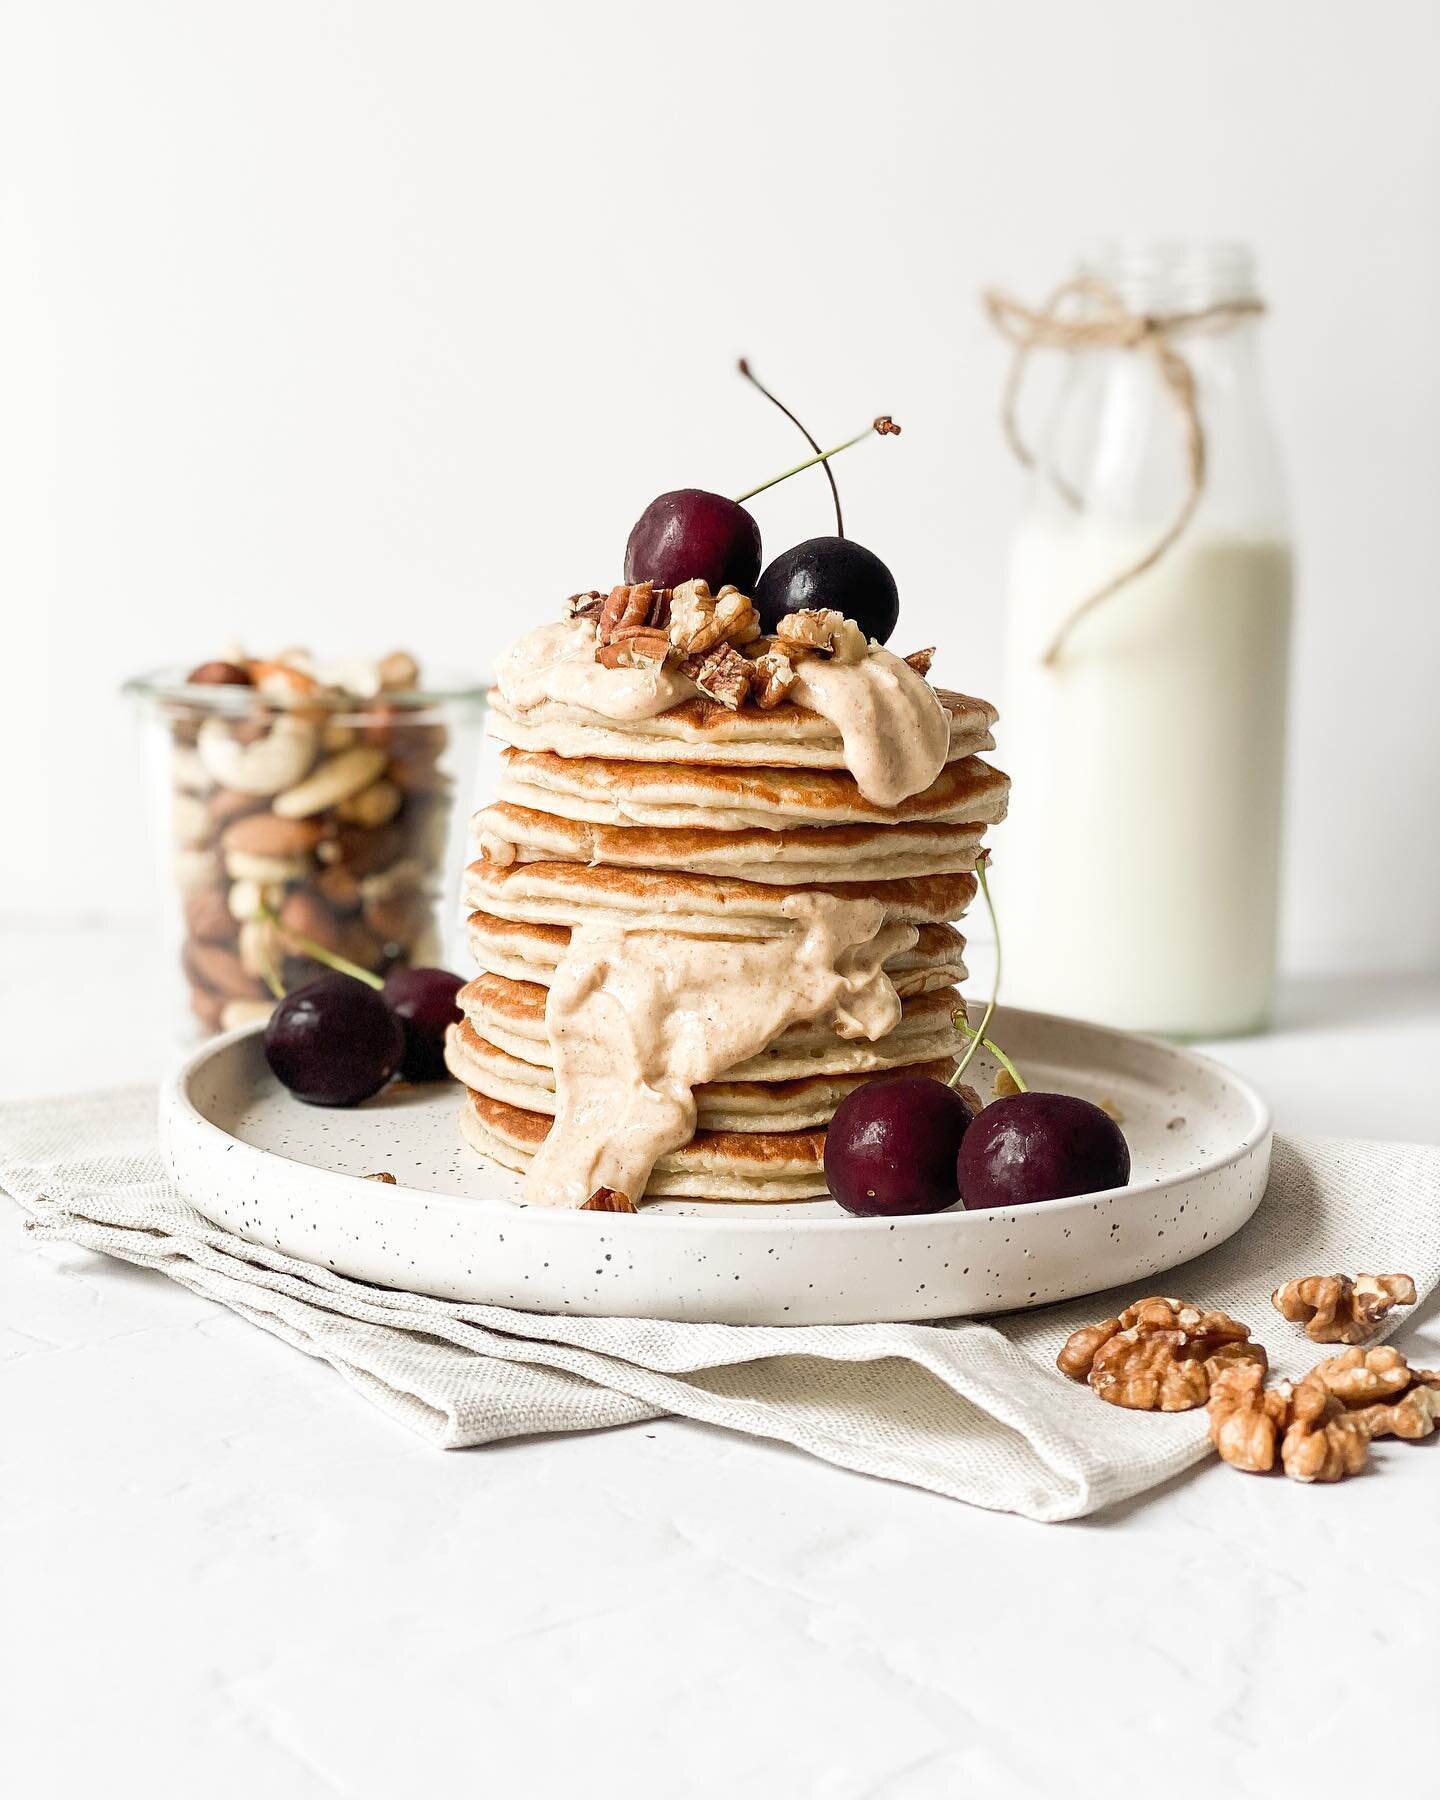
245 865
336 779
259 947
274 762
374 805
247 897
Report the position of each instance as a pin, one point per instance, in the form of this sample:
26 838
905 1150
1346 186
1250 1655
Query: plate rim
175 1091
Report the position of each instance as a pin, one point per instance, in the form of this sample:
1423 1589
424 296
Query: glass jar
1145 733
308 818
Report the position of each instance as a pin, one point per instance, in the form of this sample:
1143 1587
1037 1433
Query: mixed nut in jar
305 808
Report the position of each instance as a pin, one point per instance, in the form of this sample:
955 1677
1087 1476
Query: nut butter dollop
895 733
557 663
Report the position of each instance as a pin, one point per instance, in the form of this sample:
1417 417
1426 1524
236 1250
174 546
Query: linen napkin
966 1408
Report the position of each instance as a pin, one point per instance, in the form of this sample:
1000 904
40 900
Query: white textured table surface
225 1575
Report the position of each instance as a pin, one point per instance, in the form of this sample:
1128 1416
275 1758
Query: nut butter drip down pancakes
677 1008
638 1019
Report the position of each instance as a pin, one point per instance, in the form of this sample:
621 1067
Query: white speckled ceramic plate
258 1162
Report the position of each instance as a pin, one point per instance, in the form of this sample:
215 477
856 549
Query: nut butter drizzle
638 1019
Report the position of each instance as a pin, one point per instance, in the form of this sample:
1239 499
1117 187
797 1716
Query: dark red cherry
832 572
891 1147
334 1042
692 535
1032 1147
424 1002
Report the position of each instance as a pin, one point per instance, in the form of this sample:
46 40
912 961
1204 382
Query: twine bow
1108 324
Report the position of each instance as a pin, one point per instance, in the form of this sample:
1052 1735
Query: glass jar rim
1157 273
170 687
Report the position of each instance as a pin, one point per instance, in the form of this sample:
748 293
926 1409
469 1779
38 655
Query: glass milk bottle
1144 727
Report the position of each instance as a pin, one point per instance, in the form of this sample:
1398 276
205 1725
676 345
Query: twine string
1106 323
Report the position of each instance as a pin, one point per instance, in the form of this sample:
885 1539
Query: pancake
608 791
780 856
762 1166
567 893
700 730
527 952
511 1016
796 1105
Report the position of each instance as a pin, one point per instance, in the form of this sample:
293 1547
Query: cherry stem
755 381
977 1038
318 953
995 1050
884 426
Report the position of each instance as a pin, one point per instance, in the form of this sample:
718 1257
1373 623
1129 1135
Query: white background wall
372 323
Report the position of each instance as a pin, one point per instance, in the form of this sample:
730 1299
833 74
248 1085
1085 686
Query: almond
263 834
218 968
207 917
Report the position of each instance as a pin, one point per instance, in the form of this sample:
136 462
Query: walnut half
1159 1355
1336 1310
699 621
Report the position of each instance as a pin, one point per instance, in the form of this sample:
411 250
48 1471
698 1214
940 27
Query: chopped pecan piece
722 673
630 608
1336 1310
1160 1355
634 647
585 606
921 660
774 676
609 1200
1247 1418
381 1175
820 631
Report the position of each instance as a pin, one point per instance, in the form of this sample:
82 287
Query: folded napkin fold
969 1409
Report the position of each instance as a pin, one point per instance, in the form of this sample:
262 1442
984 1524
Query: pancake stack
701 821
